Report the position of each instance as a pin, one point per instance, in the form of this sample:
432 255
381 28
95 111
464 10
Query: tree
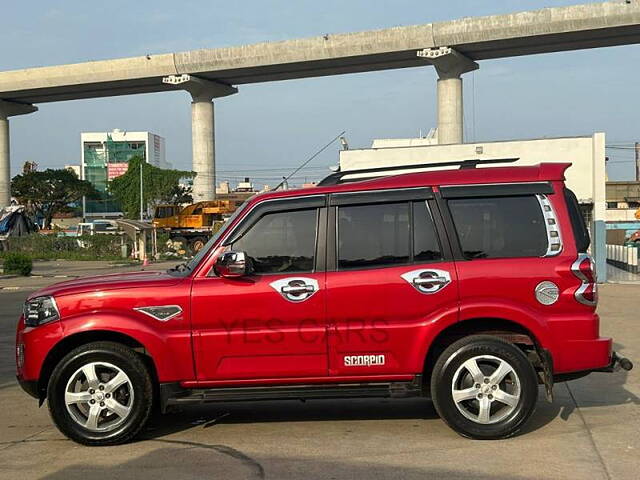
178 195
51 191
157 184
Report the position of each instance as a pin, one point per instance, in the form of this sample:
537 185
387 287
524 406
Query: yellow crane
194 224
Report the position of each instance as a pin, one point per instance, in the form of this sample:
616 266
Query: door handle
422 281
297 289
427 280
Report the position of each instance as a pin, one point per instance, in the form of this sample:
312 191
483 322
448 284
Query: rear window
386 234
373 235
578 225
500 227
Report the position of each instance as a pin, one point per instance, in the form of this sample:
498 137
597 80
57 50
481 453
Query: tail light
583 269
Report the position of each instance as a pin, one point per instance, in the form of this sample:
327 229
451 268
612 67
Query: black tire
197 243
184 244
508 419
140 403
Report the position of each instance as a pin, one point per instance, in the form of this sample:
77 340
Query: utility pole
637 162
141 191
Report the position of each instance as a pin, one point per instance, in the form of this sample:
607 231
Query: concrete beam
11 109
8 109
200 89
202 129
478 38
449 63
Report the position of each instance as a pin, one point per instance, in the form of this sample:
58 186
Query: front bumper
29 386
33 344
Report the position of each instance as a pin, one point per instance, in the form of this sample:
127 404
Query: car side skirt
174 394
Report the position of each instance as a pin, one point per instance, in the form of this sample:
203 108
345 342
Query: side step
174 394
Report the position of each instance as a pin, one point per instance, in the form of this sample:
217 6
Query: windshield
186 268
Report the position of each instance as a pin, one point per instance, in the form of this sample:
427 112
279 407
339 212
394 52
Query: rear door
509 243
389 276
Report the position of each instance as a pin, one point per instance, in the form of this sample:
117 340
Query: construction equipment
192 225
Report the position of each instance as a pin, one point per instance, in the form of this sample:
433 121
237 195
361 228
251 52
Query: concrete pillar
598 249
5 167
204 154
202 130
450 111
450 65
8 109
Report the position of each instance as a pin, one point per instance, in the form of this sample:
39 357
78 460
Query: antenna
284 179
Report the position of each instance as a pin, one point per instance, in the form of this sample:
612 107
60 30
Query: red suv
468 286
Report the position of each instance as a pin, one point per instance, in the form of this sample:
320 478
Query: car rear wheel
484 387
100 394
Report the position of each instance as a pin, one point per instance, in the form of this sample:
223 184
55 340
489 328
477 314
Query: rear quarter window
499 227
578 225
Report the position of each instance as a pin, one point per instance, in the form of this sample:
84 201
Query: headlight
40 310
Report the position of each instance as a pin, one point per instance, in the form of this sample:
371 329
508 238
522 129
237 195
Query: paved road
591 431
51 271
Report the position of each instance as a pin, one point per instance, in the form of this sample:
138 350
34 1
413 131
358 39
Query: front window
164 212
282 242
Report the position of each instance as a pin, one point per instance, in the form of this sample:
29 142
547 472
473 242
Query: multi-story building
106 155
623 201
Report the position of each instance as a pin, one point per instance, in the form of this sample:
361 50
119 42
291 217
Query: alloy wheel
99 396
486 389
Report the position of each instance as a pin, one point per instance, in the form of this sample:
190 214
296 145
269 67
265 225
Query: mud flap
546 372
543 364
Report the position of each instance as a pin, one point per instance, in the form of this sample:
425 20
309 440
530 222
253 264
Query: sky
269 129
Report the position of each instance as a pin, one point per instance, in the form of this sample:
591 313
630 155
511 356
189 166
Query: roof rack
336 177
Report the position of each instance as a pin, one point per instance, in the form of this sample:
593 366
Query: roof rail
336 177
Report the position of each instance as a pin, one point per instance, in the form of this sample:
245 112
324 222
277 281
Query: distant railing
623 257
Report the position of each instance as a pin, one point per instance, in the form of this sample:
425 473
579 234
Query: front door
270 324
392 277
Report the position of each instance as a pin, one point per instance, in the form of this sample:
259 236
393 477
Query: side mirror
233 265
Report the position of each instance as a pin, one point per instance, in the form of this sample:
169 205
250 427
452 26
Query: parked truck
192 225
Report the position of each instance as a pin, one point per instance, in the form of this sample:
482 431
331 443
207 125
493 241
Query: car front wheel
484 387
100 394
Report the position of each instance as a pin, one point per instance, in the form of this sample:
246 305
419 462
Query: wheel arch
508 330
78 339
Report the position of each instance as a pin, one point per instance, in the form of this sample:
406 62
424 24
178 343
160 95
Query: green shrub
18 263
53 247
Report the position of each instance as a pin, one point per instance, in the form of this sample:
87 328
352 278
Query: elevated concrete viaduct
453 47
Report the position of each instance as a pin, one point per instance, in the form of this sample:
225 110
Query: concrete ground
617 275
592 430
51 271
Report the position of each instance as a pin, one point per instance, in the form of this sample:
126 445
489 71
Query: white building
106 155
